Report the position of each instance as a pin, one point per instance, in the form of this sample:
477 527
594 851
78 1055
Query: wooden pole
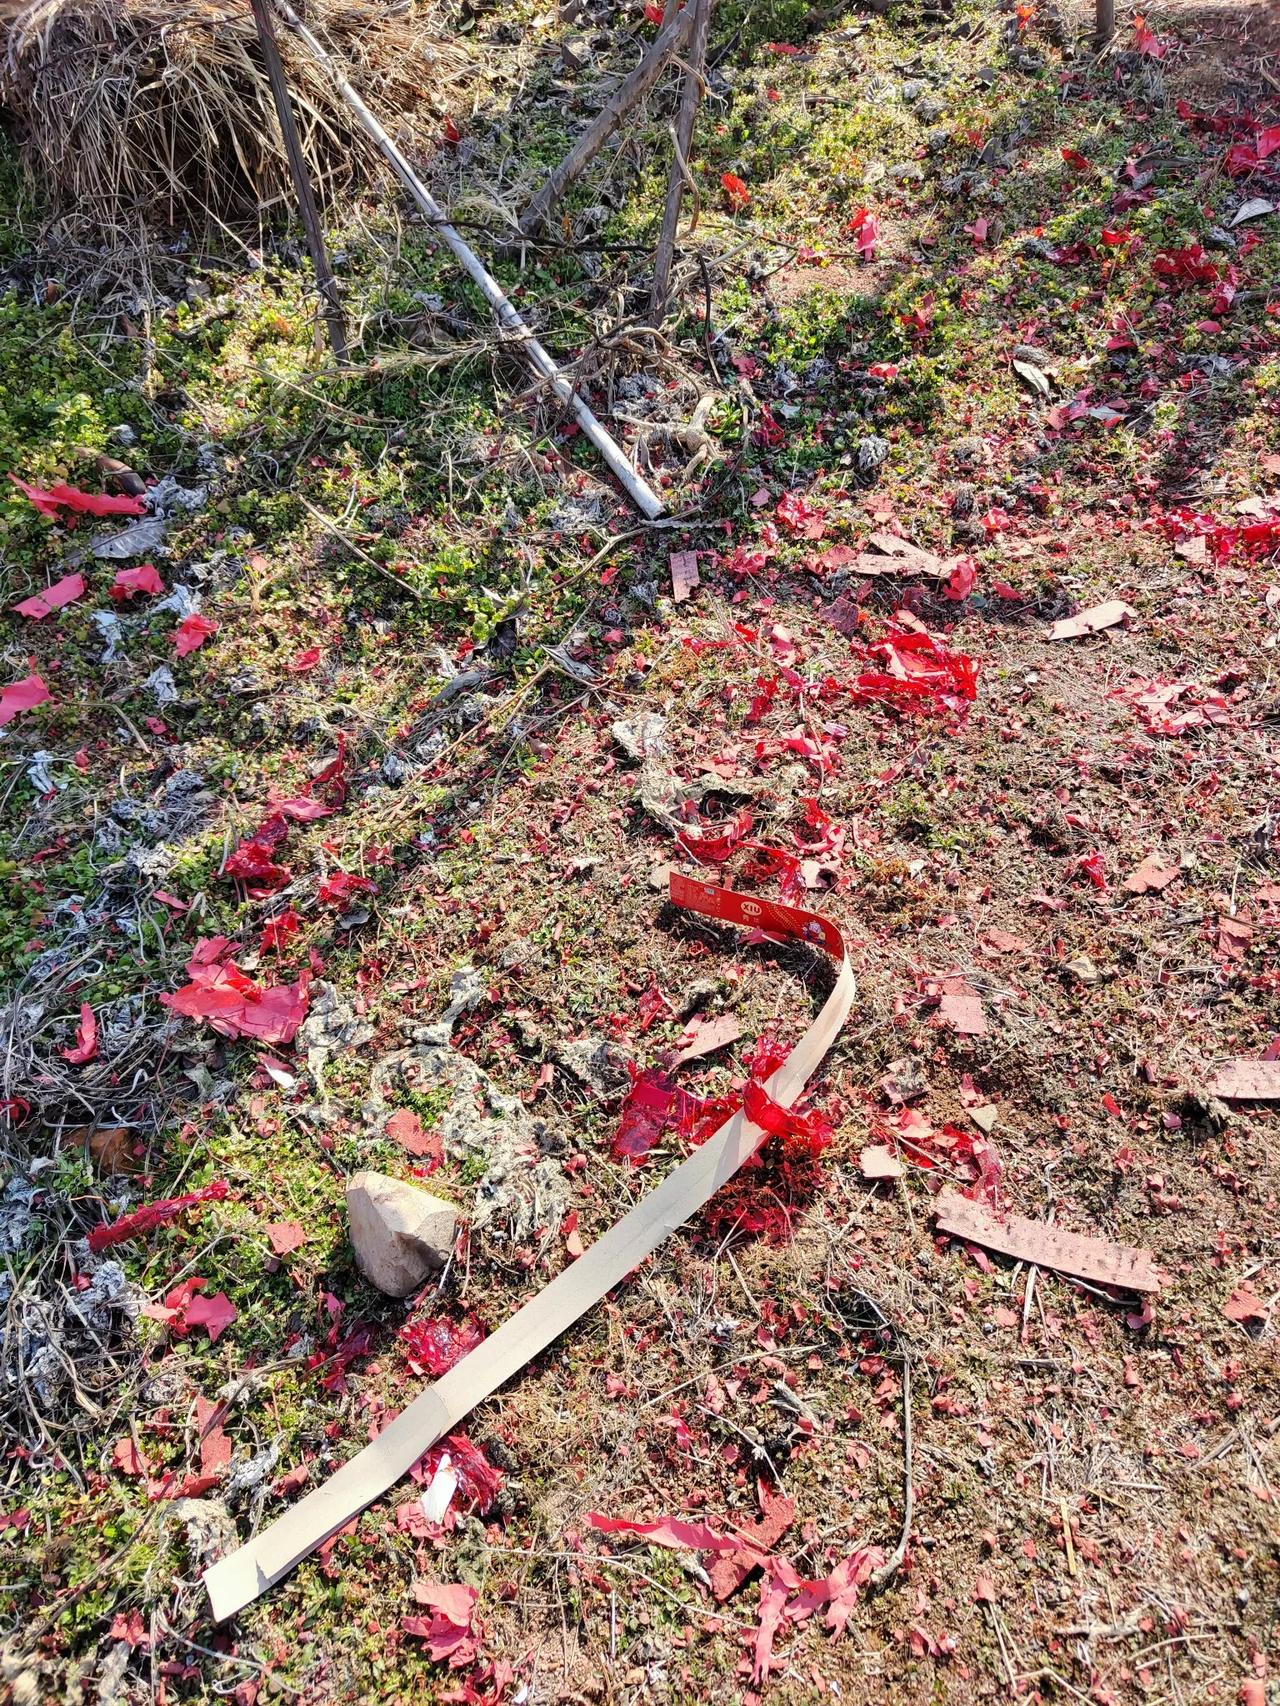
1106 24
331 305
690 99
508 316
631 90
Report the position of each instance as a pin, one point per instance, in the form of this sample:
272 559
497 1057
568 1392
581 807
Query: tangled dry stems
131 112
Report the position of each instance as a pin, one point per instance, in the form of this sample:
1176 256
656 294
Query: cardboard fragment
684 574
236 1580
1151 877
879 1162
1234 937
1245 1080
963 1011
890 554
705 1036
1244 1305
1096 1259
1090 621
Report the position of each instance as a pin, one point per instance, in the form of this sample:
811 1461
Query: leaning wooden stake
641 494
631 90
1104 24
690 99
325 282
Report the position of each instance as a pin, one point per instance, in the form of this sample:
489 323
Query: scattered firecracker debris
959 626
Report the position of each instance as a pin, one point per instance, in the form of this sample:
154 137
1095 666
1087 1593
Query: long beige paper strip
236 1581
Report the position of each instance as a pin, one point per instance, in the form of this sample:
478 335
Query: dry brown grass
130 111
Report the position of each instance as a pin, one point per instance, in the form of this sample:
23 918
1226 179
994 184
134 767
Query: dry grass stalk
131 111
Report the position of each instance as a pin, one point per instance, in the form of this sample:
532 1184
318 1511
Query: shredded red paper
145 1219
130 582
86 1046
437 1343
917 673
192 632
42 604
236 1006
447 1631
22 696
62 496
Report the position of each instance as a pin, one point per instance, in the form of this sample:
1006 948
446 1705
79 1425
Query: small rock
968 452
595 1062
1082 969
399 1234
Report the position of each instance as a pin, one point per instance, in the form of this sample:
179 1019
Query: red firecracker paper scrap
42 604
22 696
226 998
62 496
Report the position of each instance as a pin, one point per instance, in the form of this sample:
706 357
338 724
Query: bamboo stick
508 316
690 99
631 90
331 305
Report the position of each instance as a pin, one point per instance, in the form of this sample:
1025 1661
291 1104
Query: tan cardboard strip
1097 1259
237 1580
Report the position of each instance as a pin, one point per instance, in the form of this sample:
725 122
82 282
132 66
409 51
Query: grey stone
399 1234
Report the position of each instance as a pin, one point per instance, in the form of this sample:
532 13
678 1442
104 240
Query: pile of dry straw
144 111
